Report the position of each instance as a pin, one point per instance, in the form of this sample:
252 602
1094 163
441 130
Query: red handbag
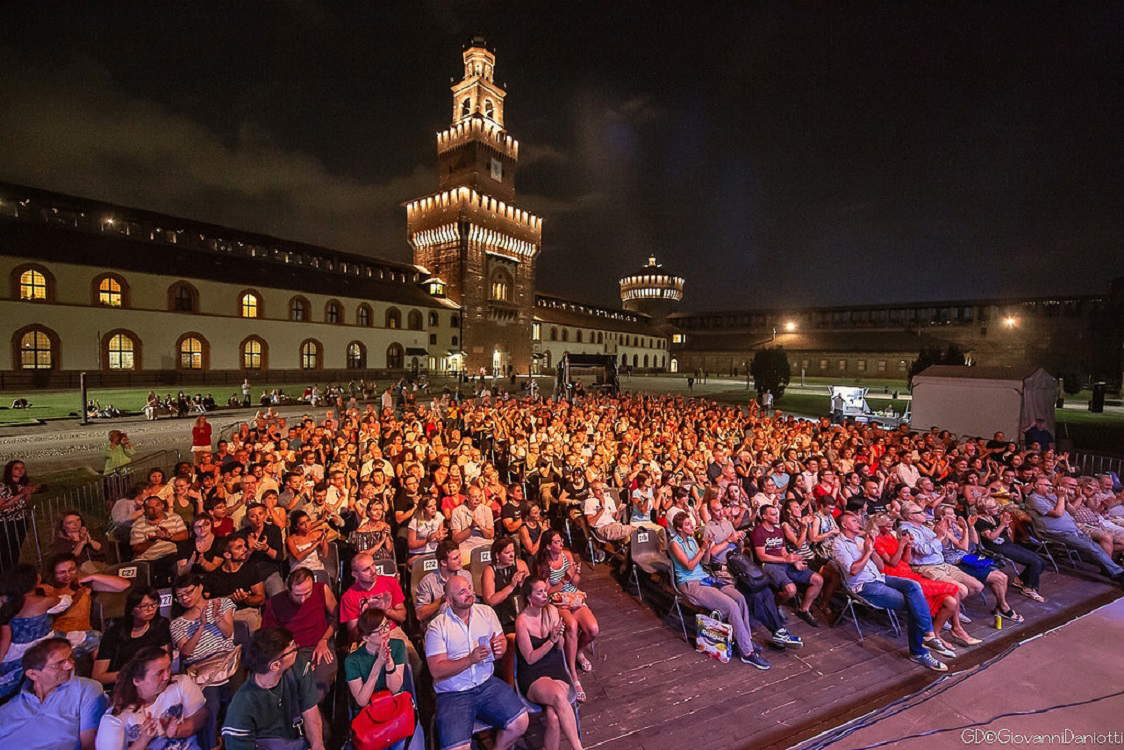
387 719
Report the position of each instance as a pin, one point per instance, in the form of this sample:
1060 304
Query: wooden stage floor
650 691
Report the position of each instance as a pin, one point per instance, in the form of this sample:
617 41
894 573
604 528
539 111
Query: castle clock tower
470 233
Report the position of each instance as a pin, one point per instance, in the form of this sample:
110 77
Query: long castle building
134 297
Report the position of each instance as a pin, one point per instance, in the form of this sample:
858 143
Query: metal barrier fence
1097 463
93 499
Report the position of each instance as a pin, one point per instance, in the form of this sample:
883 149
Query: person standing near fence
16 490
200 438
118 453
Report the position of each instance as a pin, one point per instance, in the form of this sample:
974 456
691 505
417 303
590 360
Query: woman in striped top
205 628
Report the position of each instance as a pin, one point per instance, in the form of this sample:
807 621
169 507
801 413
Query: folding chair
386 567
852 598
1039 548
112 603
480 559
419 567
647 552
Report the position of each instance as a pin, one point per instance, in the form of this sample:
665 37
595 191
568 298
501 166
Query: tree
1072 382
771 371
933 355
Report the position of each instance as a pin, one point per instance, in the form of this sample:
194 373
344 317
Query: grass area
56 404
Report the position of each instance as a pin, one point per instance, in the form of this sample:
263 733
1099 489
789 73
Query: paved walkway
1080 661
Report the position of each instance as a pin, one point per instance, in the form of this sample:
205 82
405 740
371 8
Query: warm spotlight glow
790 326
1010 321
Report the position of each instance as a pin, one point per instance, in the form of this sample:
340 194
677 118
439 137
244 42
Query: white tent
980 401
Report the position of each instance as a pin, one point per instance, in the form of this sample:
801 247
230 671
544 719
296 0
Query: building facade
470 234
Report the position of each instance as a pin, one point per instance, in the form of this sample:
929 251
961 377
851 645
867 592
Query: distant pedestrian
246 393
690 382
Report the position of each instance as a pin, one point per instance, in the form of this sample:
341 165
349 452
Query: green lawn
56 404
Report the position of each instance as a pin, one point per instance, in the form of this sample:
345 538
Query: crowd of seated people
438 549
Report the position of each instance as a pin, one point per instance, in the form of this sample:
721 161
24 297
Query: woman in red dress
943 597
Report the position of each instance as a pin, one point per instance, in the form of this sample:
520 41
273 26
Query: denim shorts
782 574
492 702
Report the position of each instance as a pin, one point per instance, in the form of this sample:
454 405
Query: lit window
33 285
249 305
356 357
536 331
252 354
35 351
363 316
191 353
109 292
120 352
393 318
310 355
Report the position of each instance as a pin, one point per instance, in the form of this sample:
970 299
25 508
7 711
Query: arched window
466 107
192 352
310 354
565 334
500 286
110 290
255 353
553 333
393 318
645 361
121 350
33 283
433 319
37 348
363 315
298 308
333 312
414 320
579 336
249 304
600 337
183 297
489 109
395 356
356 356
635 360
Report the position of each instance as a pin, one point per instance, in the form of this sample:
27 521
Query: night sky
774 154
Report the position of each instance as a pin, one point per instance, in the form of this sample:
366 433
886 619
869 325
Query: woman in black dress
542 674
501 581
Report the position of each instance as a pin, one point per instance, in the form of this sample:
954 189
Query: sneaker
927 660
964 618
808 617
786 639
940 647
757 660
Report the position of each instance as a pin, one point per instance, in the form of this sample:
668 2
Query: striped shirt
212 641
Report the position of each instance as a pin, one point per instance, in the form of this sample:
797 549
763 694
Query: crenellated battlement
478 128
469 198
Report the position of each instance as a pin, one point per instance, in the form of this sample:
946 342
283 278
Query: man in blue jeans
862 572
1052 518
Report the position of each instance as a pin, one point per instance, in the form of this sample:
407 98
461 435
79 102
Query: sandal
583 663
1032 594
579 693
1010 614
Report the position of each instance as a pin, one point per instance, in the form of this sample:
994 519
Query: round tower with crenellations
653 290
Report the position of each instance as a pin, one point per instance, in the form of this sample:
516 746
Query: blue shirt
690 548
927 549
1041 505
55 723
847 552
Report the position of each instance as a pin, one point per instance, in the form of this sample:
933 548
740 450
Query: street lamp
790 326
1010 321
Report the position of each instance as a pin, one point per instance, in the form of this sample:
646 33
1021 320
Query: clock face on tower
497 169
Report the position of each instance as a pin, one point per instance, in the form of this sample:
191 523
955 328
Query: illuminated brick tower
470 233
653 290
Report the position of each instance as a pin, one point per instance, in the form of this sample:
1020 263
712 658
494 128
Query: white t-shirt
182 699
423 529
593 503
